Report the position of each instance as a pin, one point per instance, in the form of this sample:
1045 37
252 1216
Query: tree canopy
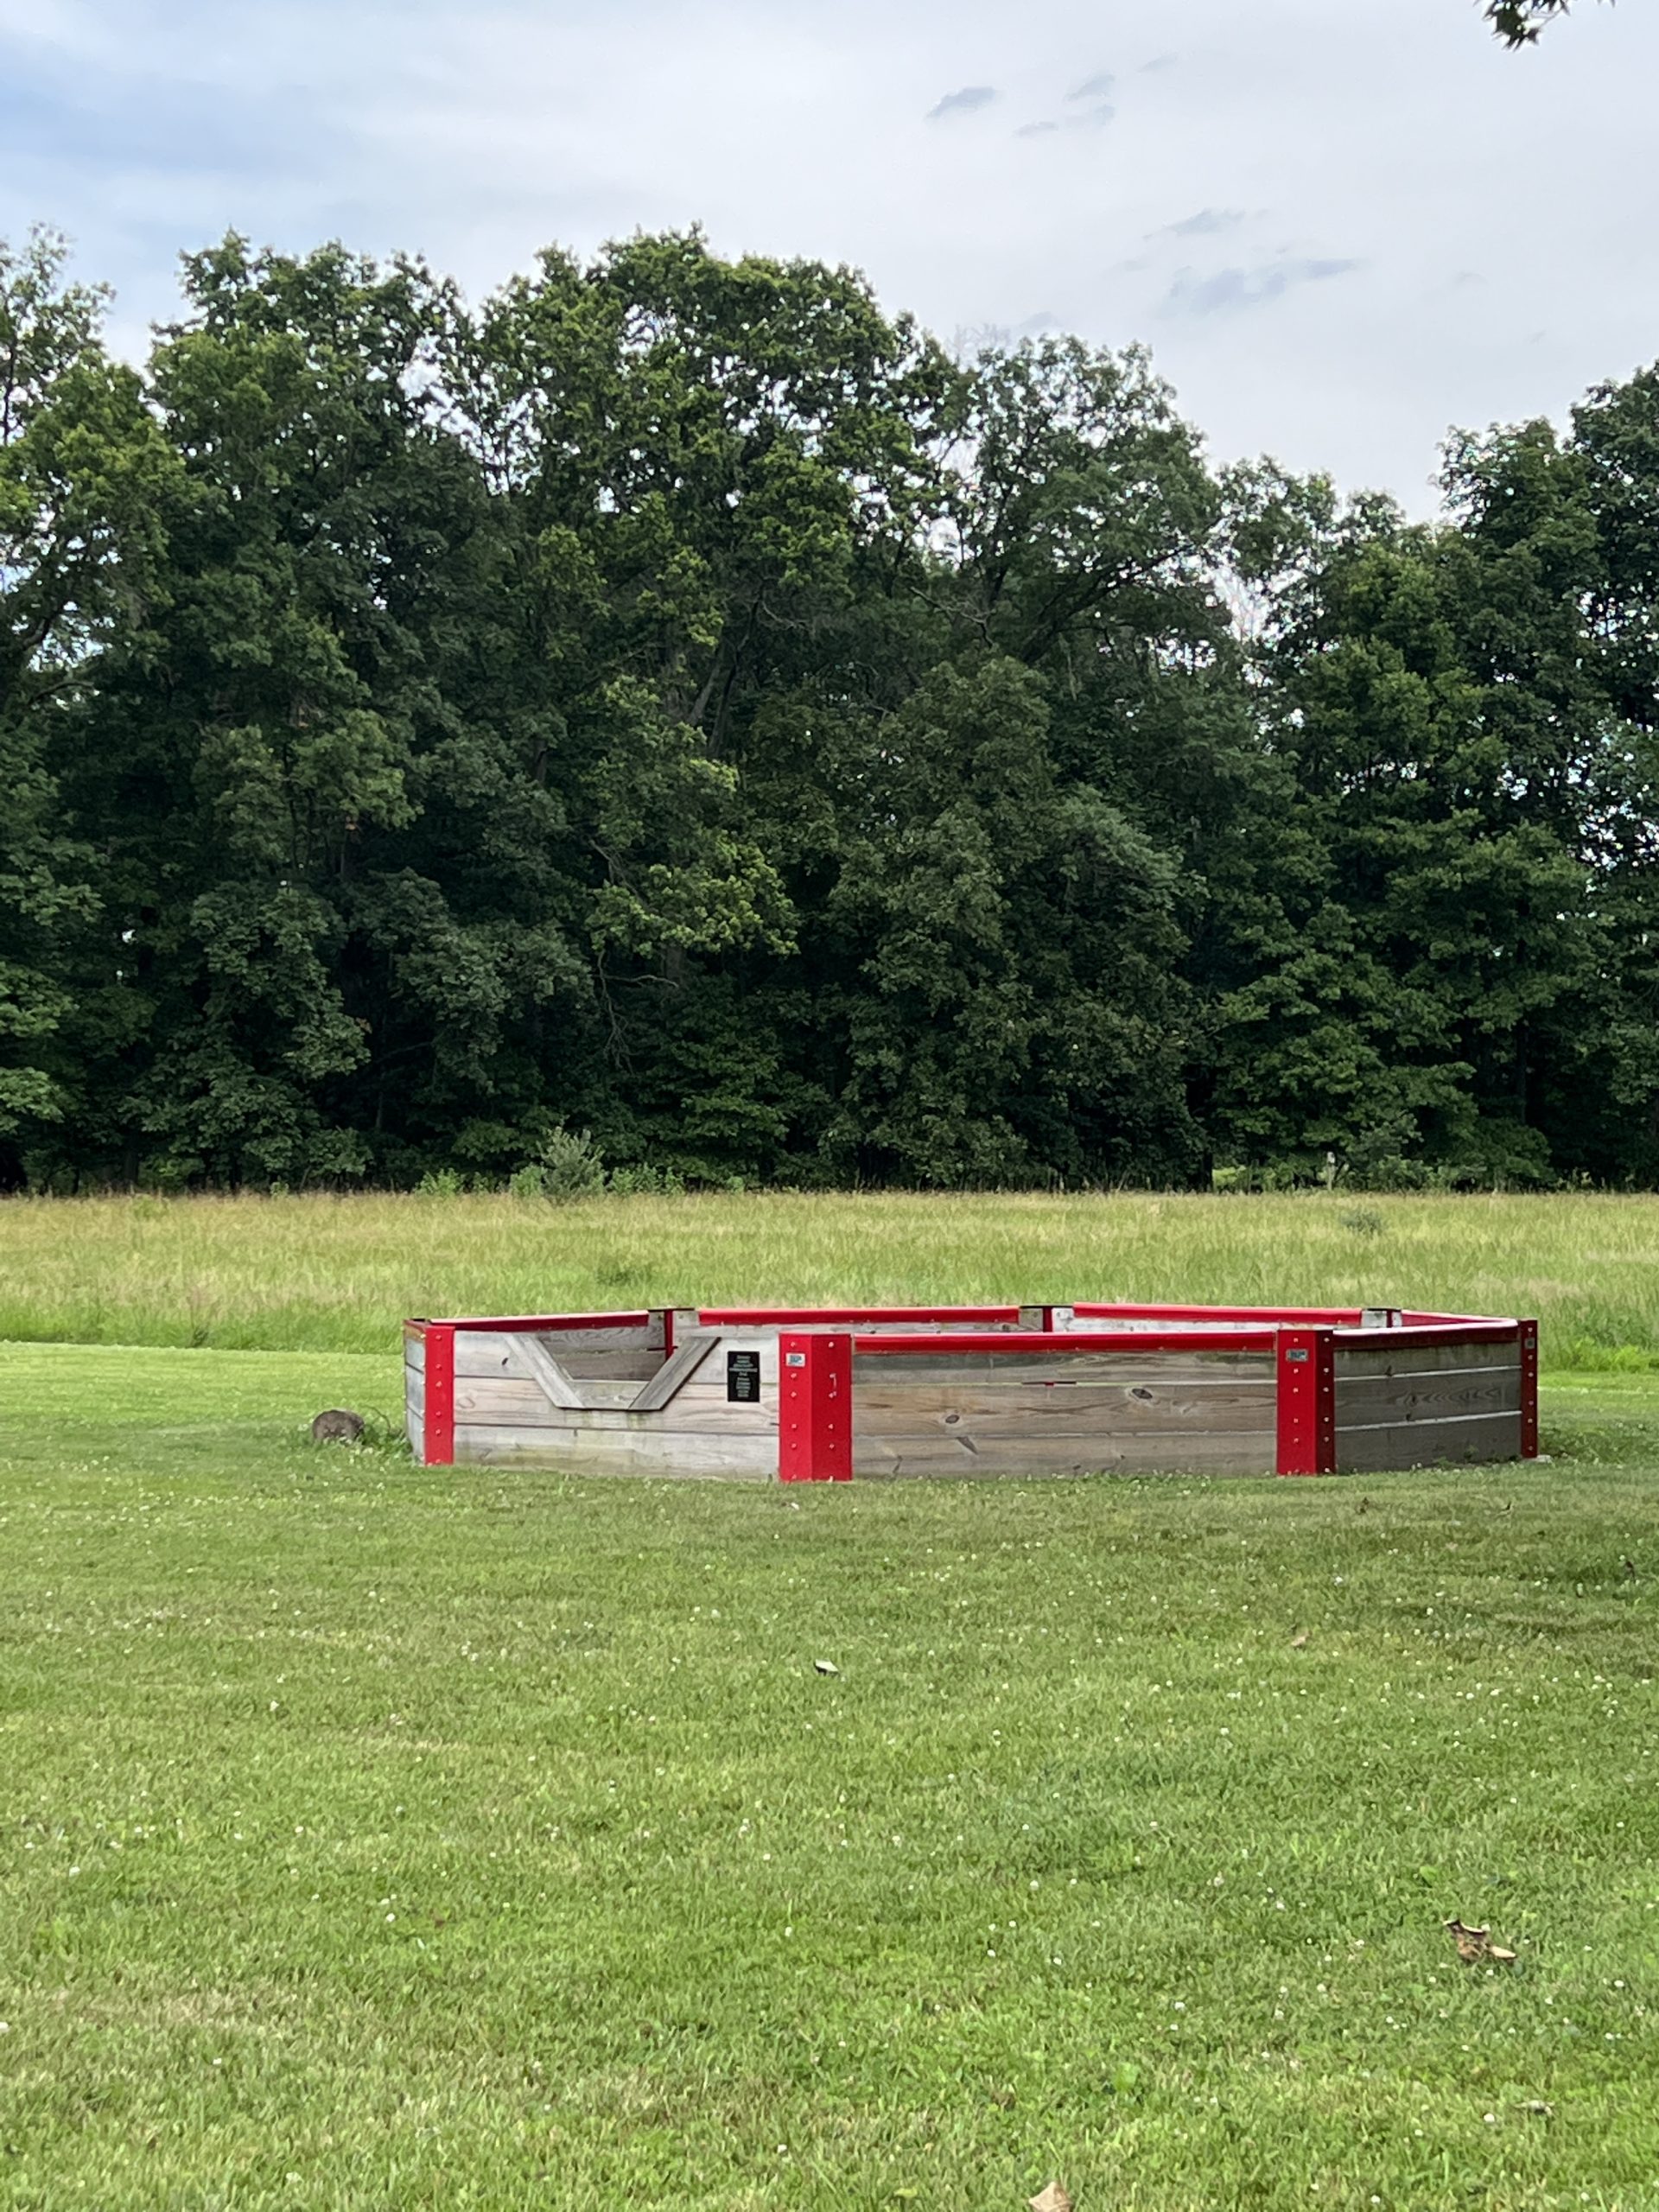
677 700
1518 23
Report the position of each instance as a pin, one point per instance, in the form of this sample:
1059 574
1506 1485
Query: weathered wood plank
1378 1358
487 1352
565 1342
1370 1401
744 1340
526 1401
415 1407
525 1405
1065 1409
415 1351
501 1351
1126 1369
635 1367
544 1369
702 1354
1212 1451
712 1412
585 1451
593 1391
1422 1444
1057 1431
689 1353
517 1407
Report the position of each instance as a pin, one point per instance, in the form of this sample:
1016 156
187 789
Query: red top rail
789 1317
1434 1333
1304 1316
1020 1343
543 1321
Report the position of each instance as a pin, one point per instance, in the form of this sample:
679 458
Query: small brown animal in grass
337 1426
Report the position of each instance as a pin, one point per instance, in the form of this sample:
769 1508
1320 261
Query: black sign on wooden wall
743 1377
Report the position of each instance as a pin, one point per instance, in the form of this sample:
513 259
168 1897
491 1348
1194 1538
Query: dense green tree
1449 971
678 700
254 740
81 473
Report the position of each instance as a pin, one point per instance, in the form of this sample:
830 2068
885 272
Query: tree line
677 700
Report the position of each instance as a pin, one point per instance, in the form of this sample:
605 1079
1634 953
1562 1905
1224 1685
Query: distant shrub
440 1183
644 1181
569 1165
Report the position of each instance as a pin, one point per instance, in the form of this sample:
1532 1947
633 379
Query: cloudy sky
1342 226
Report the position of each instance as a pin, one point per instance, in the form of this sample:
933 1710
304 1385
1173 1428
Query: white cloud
963 103
1379 139
1225 290
1206 223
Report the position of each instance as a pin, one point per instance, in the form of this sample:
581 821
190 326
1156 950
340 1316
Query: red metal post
1305 1362
1528 1390
815 1408
438 1441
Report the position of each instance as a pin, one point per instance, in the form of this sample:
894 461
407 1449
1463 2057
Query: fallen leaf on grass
1296 1643
825 1666
1052 2199
1538 2109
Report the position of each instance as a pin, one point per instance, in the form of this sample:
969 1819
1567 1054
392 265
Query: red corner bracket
439 1437
1305 1362
815 1408
1528 1390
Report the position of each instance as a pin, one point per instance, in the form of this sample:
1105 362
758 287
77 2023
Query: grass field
320 1274
373 1836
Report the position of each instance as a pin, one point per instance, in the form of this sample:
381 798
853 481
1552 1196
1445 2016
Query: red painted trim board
1307 1401
815 1408
1528 1338
1311 1316
763 1317
545 1322
438 1438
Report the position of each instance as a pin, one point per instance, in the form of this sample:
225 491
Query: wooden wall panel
975 1414
1409 1406
1428 1443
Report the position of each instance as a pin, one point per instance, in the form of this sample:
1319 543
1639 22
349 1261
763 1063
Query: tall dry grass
339 1273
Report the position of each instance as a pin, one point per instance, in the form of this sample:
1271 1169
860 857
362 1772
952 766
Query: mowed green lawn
375 1836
